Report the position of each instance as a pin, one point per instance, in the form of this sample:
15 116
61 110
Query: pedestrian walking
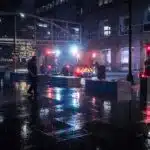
32 75
101 71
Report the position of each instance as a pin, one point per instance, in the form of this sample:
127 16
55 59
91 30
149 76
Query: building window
124 55
124 25
104 2
107 56
107 28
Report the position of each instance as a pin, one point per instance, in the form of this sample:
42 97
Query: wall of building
93 15
116 41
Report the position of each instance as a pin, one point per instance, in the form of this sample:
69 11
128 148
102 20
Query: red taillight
142 75
78 70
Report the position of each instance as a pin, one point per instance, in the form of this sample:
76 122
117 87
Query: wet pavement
66 118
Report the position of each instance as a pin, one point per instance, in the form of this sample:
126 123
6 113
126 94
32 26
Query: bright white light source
74 50
76 29
57 52
48 32
22 15
42 25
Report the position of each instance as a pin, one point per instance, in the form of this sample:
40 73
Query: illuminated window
124 55
107 56
107 30
104 2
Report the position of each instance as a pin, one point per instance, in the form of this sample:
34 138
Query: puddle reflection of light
76 121
44 112
58 90
58 96
147 115
75 100
23 86
1 119
50 93
59 108
16 85
58 93
107 108
93 101
25 130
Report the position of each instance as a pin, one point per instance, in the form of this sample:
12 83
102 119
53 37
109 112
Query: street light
22 15
130 76
74 50
57 52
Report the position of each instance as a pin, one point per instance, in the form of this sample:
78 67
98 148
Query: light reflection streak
76 99
25 130
44 112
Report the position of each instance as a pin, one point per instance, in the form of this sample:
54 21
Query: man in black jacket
32 75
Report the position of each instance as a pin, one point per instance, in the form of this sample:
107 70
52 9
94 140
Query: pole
130 76
36 48
15 42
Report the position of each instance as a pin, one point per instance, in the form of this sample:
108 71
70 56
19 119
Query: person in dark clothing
101 71
32 75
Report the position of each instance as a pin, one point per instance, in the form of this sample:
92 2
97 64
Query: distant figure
147 66
101 71
32 75
7 77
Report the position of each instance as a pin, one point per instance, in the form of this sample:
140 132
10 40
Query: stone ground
69 119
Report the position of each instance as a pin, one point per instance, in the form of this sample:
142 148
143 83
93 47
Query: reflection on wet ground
64 114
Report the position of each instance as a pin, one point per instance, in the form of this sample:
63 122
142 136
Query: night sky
15 5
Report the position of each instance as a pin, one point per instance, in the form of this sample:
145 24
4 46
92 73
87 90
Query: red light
78 70
148 47
48 53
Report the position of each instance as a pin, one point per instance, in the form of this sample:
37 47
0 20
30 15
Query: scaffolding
26 33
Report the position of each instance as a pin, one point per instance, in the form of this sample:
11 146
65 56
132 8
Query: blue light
57 52
74 49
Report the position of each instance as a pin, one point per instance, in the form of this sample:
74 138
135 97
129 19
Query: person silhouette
32 75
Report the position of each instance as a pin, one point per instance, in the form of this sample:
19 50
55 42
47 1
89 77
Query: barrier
18 76
120 90
62 81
